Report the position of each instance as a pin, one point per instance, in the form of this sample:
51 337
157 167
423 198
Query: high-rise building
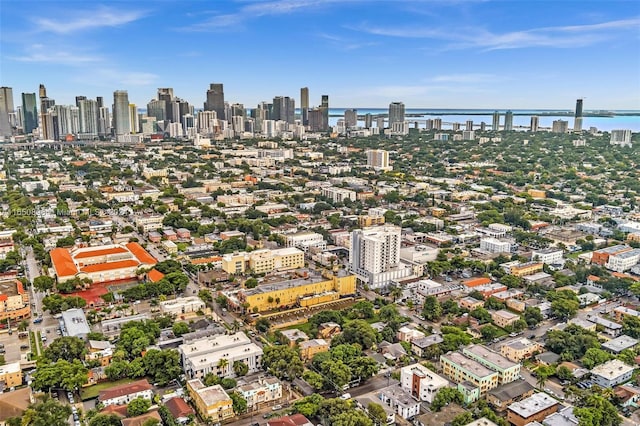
50 125
351 117
495 126
455 127
133 119
577 122
508 121
88 110
165 94
324 107
620 137
6 108
29 113
158 109
215 100
304 105
560 126
535 123
121 120
483 126
368 121
284 109
469 125
374 255
100 101
316 120
378 159
396 113
104 121
437 124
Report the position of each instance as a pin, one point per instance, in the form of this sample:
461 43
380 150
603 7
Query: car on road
276 407
37 320
24 347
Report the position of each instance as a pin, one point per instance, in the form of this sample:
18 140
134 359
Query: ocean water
520 118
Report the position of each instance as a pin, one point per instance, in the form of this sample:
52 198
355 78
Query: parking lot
12 343
281 319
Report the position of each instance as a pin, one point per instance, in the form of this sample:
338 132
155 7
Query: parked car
276 407
37 320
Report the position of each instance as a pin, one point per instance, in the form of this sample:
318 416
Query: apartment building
611 373
473 378
182 305
124 394
420 382
212 402
528 268
11 374
548 256
494 245
305 241
14 300
149 223
265 390
507 370
622 262
309 348
263 261
338 195
520 348
601 257
204 356
504 318
532 409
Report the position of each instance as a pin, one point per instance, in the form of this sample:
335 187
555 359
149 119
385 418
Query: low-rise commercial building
263 261
532 409
310 348
10 375
504 318
204 356
212 402
182 305
74 323
305 241
14 300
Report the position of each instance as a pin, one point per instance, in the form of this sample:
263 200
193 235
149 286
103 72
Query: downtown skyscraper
30 113
121 121
215 100
396 113
6 107
577 122
304 105
508 121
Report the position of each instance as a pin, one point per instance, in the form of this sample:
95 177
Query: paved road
375 383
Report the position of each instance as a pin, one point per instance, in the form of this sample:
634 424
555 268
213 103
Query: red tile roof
62 262
178 407
155 275
294 420
474 282
118 410
126 389
109 266
141 419
141 254
100 252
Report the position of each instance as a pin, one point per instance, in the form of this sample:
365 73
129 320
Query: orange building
475 282
14 301
601 257
100 264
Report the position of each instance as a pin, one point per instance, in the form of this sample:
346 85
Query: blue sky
429 54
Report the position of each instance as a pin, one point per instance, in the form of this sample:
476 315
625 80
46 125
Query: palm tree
23 325
223 363
542 379
235 326
395 292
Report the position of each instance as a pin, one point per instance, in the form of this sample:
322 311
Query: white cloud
112 77
88 19
569 36
39 53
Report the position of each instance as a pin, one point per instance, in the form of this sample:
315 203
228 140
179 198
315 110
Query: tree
351 418
337 373
263 325
138 406
595 410
23 325
240 368
445 396
543 373
564 308
57 303
361 310
379 416
228 383
283 362
453 338
205 296
564 373
363 367
67 348
572 342
162 365
631 326
309 405
239 403
357 331
532 316
490 332
314 379
432 310
105 420
223 363
481 314
180 328
47 411
462 419
44 283
595 356
151 422
251 283
60 374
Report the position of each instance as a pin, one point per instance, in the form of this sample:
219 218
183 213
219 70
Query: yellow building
212 402
263 261
366 220
519 349
528 268
14 301
310 348
305 291
11 374
504 318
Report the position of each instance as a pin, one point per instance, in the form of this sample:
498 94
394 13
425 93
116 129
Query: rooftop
534 404
125 389
511 390
210 395
520 343
75 322
612 369
468 364
482 352
620 343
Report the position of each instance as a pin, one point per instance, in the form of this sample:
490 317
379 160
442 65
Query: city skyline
443 54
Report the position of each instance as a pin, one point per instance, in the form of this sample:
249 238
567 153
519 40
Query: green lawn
93 391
